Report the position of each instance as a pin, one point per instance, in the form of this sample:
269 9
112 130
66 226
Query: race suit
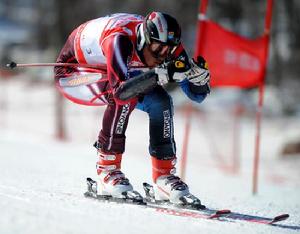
110 43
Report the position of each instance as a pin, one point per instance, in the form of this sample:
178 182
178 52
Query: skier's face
156 53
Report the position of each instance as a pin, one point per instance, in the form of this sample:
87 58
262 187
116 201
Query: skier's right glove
162 73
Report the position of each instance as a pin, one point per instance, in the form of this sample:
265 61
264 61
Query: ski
227 215
192 205
203 214
186 212
192 208
134 198
279 218
261 220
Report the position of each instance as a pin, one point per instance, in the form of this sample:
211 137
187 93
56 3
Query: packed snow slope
42 180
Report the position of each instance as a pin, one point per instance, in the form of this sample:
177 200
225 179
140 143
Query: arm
193 77
118 50
192 92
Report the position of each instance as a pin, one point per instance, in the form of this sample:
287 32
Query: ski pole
13 65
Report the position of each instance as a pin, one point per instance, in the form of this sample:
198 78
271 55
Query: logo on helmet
170 35
179 64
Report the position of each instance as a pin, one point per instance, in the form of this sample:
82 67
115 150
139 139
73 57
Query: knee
161 104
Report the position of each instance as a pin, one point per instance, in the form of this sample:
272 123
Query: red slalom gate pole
268 20
199 42
201 28
201 14
236 139
257 140
188 115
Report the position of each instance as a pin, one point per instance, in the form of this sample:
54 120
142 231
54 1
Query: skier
123 46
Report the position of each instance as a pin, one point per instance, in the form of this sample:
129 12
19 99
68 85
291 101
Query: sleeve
118 50
180 64
192 92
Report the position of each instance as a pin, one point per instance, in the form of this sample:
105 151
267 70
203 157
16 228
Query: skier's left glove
198 74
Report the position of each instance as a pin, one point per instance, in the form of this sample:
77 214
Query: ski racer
120 47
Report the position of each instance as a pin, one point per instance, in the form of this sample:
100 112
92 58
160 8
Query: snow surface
42 180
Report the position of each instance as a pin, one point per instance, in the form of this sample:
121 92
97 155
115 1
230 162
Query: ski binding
127 197
188 201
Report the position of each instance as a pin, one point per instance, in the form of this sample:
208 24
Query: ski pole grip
137 85
11 65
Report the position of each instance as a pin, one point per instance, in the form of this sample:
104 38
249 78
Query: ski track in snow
42 181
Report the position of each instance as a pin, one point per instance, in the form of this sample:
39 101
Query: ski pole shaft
13 65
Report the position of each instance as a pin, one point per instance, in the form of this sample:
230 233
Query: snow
43 180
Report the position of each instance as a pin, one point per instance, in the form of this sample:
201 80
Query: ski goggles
160 50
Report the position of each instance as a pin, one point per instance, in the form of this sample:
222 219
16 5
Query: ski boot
168 187
112 180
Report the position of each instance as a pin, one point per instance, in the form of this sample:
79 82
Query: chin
153 64
158 62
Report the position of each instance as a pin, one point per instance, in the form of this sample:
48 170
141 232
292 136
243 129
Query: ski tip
280 218
11 65
88 179
220 213
223 212
145 184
